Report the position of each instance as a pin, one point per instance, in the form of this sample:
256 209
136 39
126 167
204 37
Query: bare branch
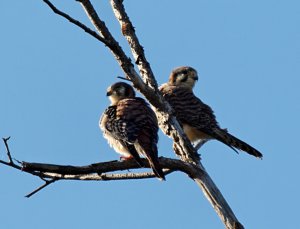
10 159
41 187
123 78
117 51
105 176
7 150
90 172
136 48
75 22
97 171
102 172
102 167
216 199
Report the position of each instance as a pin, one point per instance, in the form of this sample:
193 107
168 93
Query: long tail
154 163
149 150
235 143
135 154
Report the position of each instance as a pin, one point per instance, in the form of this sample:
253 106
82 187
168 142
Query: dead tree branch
51 173
105 171
137 50
76 22
41 187
7 150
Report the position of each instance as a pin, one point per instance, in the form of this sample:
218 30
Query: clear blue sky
53 81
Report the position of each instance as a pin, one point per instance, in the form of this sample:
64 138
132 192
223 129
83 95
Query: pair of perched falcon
131 128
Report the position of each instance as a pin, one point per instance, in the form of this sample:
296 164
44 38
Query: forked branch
103 171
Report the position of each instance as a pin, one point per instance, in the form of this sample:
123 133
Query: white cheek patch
113 99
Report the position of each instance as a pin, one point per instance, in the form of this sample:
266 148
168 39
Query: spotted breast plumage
196 118
130 126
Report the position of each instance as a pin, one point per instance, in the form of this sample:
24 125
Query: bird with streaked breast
197 118
130 126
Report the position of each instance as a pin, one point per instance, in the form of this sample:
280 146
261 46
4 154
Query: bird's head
183 76
119 91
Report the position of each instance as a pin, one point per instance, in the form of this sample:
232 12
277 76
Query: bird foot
124 158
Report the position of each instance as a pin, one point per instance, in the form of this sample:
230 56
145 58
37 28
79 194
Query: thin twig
123 78
117 51
76 22
47 182
7 150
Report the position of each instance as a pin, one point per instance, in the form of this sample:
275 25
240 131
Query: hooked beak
196 78
109 93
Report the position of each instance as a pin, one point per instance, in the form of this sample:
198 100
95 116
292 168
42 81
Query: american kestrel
196 118
130 126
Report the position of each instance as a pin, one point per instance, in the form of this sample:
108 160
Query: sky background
53 78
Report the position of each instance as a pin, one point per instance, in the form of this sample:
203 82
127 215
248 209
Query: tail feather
149 150
235 143
135 154
153 161
154 164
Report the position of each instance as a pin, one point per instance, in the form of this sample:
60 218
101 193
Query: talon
124 158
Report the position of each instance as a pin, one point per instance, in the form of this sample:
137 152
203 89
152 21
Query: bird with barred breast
197 118
130 127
